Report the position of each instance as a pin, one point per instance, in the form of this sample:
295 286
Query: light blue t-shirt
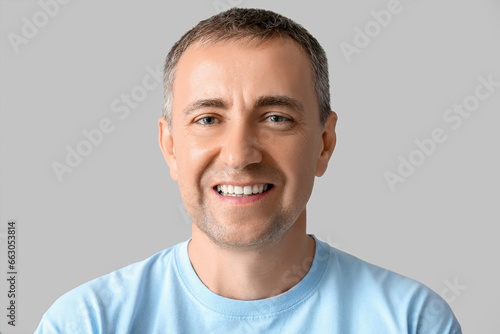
340 294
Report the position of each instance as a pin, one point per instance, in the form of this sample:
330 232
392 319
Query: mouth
229 190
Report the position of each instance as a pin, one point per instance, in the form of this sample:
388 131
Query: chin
244 235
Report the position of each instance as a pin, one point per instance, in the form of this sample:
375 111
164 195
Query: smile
242 191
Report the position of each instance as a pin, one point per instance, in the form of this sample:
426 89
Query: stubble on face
232 229
239 74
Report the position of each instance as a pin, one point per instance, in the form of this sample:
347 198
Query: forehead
277 66
282 47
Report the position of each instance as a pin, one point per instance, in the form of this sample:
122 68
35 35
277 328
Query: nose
240 148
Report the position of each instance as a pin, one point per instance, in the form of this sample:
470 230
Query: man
247 127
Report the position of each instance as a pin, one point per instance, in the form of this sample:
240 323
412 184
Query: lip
245 199
240 184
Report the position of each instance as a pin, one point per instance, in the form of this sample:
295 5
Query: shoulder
369 276
89 307
391 295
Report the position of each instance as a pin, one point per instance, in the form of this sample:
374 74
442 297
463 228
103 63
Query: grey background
120 206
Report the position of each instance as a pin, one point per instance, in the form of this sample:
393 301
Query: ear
167 147
329 139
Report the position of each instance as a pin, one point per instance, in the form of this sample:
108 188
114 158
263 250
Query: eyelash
284 119
205 117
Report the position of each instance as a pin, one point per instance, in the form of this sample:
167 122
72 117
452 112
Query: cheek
300 159
193 159
304 151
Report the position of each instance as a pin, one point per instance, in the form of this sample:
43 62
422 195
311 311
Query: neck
255 273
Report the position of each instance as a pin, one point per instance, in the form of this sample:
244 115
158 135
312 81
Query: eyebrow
262 101
279 100
204 103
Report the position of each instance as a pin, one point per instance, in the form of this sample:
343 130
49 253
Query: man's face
245 118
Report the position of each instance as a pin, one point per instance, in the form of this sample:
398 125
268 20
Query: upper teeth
230 190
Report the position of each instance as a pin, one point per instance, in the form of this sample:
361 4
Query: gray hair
258 24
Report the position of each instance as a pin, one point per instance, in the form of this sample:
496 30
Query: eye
208 120
279 122
277 119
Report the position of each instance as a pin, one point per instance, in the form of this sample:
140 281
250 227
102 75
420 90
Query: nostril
240 153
